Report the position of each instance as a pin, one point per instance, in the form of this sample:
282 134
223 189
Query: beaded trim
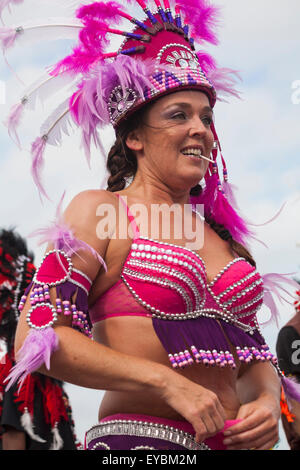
61 281
167 255
100 444
173 272
144 429
185 53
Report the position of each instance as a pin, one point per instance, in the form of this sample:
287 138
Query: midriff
124 334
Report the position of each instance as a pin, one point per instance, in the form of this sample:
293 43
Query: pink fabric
215 442
54 268
81 279
188 288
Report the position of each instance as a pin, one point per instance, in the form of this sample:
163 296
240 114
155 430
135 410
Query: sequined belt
141 429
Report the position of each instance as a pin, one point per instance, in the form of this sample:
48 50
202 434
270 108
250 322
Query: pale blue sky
260 136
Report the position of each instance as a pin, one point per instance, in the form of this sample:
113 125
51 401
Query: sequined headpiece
158 56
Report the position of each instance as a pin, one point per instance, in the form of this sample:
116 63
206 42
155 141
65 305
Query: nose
198 128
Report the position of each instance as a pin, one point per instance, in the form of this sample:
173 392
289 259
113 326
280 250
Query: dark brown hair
122 164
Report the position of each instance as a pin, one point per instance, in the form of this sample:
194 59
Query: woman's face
176 130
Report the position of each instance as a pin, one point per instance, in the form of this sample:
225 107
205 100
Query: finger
248 423
265 442
253 437
211 427
221 412
201 431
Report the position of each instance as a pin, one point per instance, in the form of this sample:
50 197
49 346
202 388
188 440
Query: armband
72 287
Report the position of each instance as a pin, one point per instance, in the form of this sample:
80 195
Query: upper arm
79 223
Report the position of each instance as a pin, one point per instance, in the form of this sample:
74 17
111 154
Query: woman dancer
177 345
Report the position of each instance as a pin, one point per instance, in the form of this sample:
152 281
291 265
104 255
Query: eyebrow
187 105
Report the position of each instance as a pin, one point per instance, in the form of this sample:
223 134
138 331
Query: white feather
59 122
48 29
45 87
57 442
27 424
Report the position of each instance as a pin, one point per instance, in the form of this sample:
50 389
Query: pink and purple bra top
196 320
192 317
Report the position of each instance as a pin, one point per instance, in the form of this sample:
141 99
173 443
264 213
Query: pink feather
101 11
229 190
8 37
37 152
206 61
272 286
6 4
224 81
202 17
80 61
13 121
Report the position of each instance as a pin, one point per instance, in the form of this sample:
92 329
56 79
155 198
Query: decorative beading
144 429
179 56
120 103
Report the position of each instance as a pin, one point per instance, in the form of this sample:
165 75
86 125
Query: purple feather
291 389
35 351
89 112
63 238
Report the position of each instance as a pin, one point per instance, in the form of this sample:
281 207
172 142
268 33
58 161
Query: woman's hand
259 426
198 405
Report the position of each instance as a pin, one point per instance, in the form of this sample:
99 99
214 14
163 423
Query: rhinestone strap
144 429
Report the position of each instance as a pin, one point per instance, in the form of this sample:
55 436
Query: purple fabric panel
241 339
203 333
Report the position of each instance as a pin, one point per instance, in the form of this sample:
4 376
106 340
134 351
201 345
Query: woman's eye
207 120
179 116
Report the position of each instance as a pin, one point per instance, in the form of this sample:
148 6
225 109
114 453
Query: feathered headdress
157 56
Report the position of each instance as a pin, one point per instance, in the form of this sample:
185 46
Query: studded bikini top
195 320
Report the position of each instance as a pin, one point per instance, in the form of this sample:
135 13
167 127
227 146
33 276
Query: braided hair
122 164
16 272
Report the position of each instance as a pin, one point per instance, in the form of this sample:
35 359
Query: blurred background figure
37 415
288 353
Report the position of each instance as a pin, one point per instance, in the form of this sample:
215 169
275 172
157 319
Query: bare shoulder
87 202
81 216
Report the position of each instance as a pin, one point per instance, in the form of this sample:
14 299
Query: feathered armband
71 289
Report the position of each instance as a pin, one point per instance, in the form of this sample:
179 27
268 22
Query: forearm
86 363
258 380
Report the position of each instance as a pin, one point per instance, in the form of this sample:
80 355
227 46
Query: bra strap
130 217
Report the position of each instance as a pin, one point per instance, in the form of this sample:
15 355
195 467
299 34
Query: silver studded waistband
144 429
